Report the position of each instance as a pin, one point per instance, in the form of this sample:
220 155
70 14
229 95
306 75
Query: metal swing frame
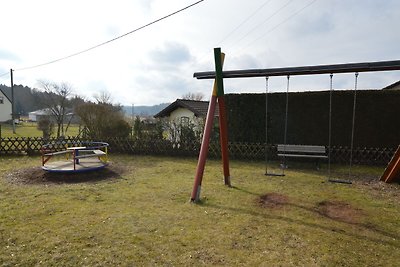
307 70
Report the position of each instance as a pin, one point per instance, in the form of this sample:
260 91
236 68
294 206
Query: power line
255 27
111 40
265 20
4 74
281 23
243 22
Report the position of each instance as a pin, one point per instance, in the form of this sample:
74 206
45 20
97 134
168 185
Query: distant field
139 214
29 129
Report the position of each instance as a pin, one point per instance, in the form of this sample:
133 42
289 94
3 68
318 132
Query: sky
156 64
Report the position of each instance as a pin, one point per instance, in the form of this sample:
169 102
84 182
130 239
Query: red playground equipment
392 171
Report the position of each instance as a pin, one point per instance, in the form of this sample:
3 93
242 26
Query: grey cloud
170 54
164 87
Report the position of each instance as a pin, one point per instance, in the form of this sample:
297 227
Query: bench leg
317 164
284 164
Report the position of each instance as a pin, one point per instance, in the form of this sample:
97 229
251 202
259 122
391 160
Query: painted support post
204 149
222 115
223 135
207 129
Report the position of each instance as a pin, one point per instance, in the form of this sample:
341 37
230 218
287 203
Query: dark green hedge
377 122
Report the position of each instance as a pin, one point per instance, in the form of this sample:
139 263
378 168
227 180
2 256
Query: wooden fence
246 151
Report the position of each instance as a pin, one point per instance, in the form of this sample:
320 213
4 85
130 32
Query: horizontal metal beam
305 70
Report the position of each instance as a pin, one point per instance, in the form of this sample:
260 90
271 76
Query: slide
392 171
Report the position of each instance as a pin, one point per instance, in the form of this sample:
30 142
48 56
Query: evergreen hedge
377 122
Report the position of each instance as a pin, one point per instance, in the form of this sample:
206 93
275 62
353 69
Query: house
182 112
393 86
39 114
46 113
5 107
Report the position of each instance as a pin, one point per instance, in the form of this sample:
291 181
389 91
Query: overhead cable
4 74
280 24
244 21
111 40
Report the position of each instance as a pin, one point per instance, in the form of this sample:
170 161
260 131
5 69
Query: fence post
28 146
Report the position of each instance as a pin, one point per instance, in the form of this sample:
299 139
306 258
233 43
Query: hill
144 110
26 99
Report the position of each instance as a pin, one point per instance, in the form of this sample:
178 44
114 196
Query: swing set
218 97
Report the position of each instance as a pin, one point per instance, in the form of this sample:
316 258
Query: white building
184 112
5 107
38 114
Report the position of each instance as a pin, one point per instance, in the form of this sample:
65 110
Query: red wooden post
223 135
204 149
217 95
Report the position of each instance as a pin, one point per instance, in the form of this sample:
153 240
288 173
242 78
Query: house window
185 121
1 100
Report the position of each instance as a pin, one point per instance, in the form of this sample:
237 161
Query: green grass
144 217
29 129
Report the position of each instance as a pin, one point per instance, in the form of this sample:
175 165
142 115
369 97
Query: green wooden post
218 71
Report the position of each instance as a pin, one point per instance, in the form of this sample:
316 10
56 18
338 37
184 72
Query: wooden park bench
302 151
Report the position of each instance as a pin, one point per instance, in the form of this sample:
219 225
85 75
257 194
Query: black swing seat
302 151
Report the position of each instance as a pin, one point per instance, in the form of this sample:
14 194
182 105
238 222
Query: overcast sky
156 64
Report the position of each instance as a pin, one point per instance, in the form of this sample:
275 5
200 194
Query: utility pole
132 109
133 120
12 101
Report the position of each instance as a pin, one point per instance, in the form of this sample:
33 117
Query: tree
56 100
46 126
137 128
103 97
193 96
103 120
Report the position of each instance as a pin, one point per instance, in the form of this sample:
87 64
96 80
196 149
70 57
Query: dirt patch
273 200
339 211
381 190
35 175
372 185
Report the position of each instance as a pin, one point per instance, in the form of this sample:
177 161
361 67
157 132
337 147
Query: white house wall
5 109
32 116
179 113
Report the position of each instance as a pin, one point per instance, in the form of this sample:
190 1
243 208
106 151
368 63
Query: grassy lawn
143 217
29 129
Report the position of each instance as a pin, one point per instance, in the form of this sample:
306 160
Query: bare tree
103 97
56 100
193 96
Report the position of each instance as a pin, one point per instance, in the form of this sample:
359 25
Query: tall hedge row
377 121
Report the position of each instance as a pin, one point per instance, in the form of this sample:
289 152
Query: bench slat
57 153
302 156
301 149
97 153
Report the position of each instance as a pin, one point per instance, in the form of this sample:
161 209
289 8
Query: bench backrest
302 149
